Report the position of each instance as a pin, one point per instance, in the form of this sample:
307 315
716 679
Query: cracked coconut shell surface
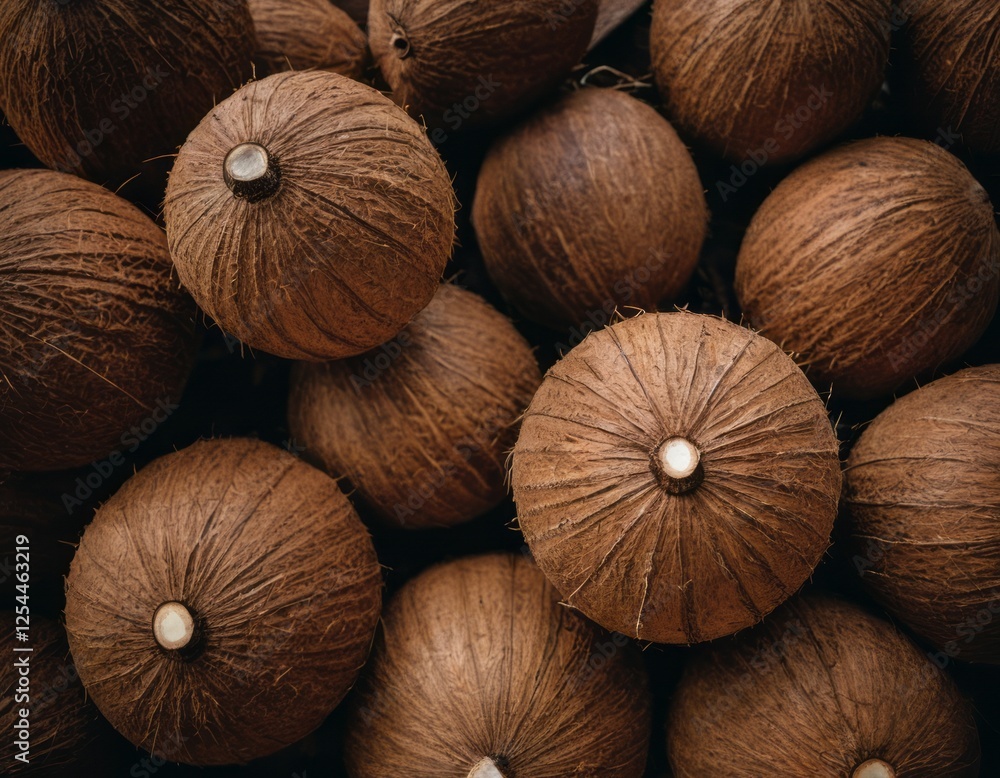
818 690
635 558
922 490
477 664
282 579
346 250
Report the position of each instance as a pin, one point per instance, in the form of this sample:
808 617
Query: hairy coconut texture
876 262
309 216
480 672
304 34
99 88
676 477
96 330
422 426
591 203
776 79
924 501
222 603
951 66
472 62
63 724
822 688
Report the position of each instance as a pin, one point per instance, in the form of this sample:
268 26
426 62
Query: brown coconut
221 604
768 81
950 65
99 88
462 63
924 501
421 426
309 216
304 34
590 204
676 477
39 678
875 262
821 688
480 672
97 335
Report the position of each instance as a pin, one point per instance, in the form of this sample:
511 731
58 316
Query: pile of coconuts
481 389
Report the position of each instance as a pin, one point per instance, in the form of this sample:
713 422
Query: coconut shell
340 244
924 501
465 63
276 571
304 34
99 88
97 335
422 425
875 262
62 725
822 688
676 558
479 672
768 81
950 64
590 204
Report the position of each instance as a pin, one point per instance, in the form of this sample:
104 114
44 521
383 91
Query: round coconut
676 477
463 63
97 335
876 262
590 204
480 672
58 735
309 216
924 501
768 82
950 65
222 603
99 88
304 34
421 426
820 688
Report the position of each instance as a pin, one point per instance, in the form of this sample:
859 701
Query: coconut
221 604
479 672
821 688
303 34
950 66
768 81
590 204
421 426
99 88
924 501
876 262
462 63
309 216
97 335
676 477
39 678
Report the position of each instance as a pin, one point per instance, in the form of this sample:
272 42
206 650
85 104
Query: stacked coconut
428 388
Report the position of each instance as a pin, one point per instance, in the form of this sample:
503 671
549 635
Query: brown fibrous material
590 204
923 497
421 426
676 477
480 672
97 335
820 688
343 240
874 263
278 573
768 81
